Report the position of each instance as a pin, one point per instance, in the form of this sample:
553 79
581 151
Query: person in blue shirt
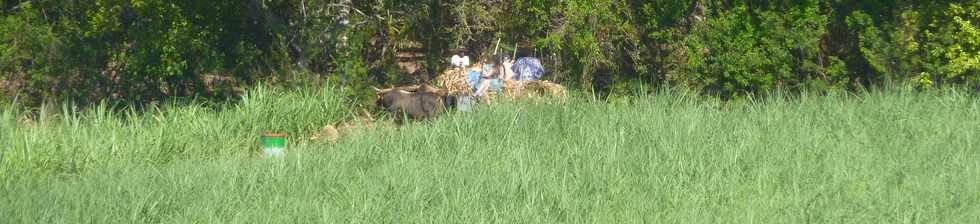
488 78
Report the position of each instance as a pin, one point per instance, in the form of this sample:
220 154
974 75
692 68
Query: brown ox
417 103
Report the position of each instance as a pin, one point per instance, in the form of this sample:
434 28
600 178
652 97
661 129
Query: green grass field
873 158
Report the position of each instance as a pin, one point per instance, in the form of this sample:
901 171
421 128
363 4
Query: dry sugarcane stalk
496 47
515 52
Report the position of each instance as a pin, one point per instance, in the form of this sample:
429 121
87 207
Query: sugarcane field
478 111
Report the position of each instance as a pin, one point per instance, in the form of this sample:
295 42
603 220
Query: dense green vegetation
896 157
139 50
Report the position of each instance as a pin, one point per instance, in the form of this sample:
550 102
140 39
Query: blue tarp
528 68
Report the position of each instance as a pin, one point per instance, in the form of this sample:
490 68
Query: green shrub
741 51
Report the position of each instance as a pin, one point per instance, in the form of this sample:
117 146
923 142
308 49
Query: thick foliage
148 49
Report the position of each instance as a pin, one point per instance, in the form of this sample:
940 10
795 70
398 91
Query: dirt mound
333 133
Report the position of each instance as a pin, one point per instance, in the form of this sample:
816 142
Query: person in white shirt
460 60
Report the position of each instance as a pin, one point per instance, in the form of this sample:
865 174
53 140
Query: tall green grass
879 157
67 142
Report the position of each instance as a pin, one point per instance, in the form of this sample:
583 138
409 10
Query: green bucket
273 144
